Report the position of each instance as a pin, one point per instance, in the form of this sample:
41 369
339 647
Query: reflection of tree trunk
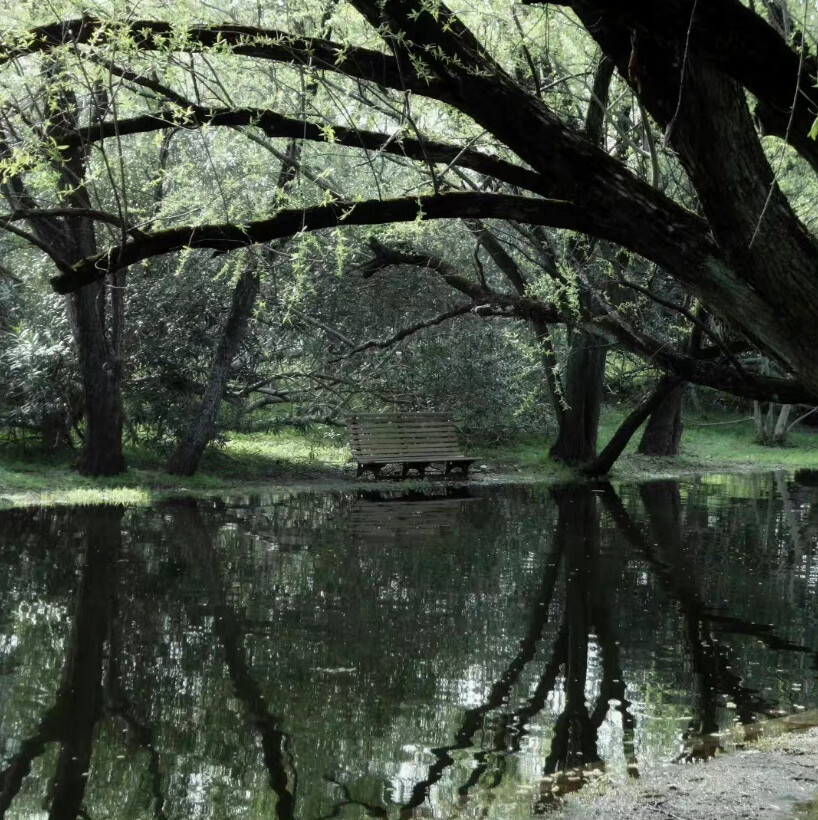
473 718
579 421
119 705
675 574
545 685
574 741
274 741
663 432
576 539
84 668
715 665
612 686
186 457
515 728
72 719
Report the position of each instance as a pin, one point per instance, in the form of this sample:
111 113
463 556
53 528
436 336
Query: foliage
37 363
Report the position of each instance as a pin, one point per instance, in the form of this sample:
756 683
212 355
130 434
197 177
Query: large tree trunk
96 325
602 464
186 457
94 322
770 256
663 432
102 445
97 313
579 420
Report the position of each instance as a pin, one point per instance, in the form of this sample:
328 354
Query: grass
711 444
30 476
719 443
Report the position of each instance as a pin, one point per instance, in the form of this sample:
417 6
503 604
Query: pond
469 653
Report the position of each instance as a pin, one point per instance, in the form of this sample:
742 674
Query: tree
749 258
95 310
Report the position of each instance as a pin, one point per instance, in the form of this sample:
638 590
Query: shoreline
319 460
139 487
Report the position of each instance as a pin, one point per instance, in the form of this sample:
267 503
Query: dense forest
255 214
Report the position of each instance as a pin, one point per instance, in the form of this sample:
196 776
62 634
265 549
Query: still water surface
349 655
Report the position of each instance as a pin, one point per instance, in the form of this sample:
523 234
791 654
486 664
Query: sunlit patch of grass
90 496
712 443
288 446
709 439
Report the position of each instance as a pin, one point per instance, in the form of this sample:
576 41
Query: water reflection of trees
71 721
181 652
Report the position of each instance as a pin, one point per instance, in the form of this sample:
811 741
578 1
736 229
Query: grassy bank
710 444
30 476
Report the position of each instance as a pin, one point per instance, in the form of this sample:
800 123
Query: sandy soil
775 779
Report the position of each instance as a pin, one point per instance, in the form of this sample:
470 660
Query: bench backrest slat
394 436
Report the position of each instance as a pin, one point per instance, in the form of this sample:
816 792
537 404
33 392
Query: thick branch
246 41
686 368
228 236
739 43
278 126
611 202
39 213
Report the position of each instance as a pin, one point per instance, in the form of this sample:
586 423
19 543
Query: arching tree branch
288 222
276 125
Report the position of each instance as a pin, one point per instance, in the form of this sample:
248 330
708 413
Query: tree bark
579 423
602 464
766 286
186 457
102 445
663 432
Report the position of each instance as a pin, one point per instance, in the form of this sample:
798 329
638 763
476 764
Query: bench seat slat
419 456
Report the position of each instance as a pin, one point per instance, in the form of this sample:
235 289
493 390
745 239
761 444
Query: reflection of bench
414 440
408 519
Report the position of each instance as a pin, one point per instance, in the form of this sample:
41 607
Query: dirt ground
776 778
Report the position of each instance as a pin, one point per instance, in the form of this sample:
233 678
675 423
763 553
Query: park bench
414 440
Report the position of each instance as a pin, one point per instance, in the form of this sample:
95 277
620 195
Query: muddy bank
772 779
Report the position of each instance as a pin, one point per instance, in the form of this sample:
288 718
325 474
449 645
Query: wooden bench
414 440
